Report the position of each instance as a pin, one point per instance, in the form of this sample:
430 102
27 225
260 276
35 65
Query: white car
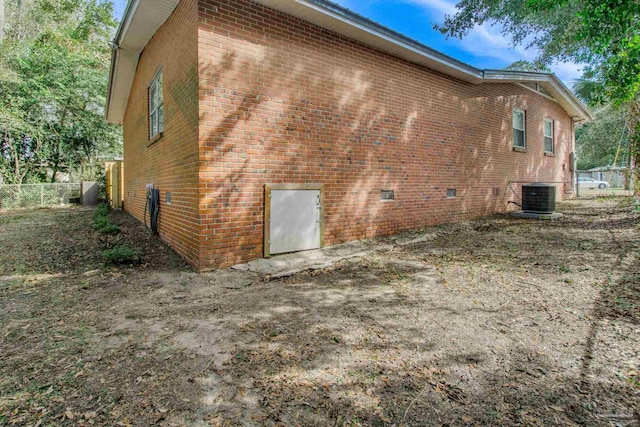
584 182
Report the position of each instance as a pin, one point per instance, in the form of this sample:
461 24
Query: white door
295 220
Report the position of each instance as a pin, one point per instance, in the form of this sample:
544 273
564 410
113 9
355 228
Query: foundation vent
387 195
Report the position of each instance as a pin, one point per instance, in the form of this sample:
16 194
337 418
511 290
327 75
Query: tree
528 66
603 34
53 79
600 33
604 141
609 139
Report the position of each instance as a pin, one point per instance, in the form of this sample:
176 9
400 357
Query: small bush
120 255
108 228
101 211
101 220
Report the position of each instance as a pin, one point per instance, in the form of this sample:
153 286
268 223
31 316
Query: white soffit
142 19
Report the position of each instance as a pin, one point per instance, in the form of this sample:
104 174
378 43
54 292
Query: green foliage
603 141
120 255
101 211
101 221
605 35
54 65
108 228
529 66
105 226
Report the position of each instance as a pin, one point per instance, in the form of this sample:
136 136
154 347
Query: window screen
156 106
519 134
548 136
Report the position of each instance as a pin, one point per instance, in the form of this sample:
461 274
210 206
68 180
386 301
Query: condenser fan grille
538 198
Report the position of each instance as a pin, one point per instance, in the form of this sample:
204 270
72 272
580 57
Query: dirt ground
491 322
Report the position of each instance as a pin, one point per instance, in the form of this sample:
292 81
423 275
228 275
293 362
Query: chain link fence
27 196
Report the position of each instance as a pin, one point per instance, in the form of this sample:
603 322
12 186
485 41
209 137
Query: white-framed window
156 106
519 133
548 136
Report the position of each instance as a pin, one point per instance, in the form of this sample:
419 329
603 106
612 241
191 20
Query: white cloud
567 72
488 40
483 41
444 7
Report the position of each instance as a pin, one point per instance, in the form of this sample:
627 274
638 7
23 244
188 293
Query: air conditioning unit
539 198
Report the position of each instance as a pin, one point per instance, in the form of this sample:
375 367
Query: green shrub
101 220
102 211
104 226
120 255
108 228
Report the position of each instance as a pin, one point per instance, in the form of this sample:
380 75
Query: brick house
272 126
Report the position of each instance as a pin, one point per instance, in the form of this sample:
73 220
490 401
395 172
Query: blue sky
483 47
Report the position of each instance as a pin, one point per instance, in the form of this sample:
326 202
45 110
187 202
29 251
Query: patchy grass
492 322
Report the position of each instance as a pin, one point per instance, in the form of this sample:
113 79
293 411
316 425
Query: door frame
267 210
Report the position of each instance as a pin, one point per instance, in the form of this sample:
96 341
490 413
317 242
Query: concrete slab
534 215
288 264
285 265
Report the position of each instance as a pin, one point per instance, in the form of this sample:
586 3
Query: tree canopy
528 66
54 61
604 141
603 34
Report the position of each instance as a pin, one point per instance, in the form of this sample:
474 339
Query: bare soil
496 321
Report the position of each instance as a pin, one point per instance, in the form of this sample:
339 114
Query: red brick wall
283 101
170 163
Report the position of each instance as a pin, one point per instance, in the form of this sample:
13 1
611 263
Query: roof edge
384 34
370 25
507 76
142 18
112 73
115 47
